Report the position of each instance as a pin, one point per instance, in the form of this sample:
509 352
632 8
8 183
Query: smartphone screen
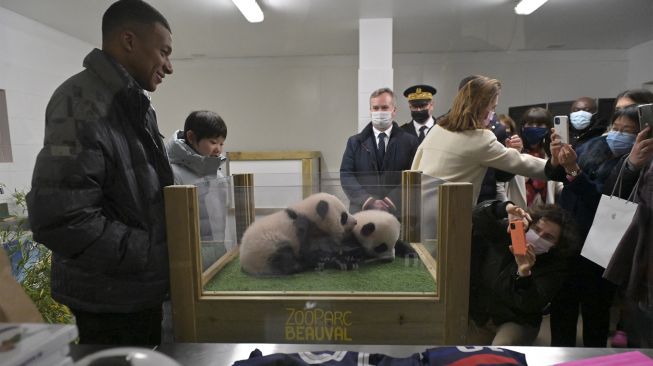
645 117
561 124
518 237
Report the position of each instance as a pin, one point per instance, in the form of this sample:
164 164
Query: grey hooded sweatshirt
213 189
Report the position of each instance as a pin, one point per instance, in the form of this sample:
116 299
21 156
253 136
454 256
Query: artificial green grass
398 276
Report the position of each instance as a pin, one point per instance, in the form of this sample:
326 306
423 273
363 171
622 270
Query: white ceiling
215 28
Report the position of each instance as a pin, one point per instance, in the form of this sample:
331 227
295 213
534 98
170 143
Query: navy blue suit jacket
360 175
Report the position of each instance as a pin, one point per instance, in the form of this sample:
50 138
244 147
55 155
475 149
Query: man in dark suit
370 172
420 102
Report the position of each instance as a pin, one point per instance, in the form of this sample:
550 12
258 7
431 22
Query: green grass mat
398 276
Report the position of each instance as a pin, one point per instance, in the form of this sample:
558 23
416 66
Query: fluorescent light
526 7
250 9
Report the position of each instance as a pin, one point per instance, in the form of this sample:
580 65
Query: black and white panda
276 244
377 233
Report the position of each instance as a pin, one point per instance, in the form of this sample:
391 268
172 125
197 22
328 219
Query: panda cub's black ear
322 209
368 229
291 213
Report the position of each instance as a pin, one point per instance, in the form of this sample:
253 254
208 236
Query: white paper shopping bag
613 216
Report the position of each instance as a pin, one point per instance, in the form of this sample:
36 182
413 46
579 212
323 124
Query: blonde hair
470 104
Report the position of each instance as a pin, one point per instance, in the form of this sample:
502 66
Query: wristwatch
574 173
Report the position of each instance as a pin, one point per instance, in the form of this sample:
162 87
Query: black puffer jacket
495 291
97 198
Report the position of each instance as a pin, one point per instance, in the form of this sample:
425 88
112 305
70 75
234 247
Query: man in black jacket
97 188
370 171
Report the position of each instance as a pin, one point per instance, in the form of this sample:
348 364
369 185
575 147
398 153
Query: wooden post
454 251
183 228
411 206
309 167
243 203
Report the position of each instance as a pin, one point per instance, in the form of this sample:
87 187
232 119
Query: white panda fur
377 232
272 244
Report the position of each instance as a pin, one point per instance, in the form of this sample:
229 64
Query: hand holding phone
518 237
561 124
645 112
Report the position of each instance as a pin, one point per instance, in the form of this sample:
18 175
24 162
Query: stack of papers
31 344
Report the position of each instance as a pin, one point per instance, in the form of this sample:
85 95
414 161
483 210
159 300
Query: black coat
409 127
495 291
97 192
360 175
581 196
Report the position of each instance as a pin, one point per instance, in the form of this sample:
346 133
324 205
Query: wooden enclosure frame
323 317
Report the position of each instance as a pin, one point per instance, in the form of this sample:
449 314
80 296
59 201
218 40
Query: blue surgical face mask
620 143
534 135
580 119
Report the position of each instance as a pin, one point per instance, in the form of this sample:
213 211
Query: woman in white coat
460 149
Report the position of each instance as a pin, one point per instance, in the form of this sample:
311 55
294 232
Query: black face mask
420 116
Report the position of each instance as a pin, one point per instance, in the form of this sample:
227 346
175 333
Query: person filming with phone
509 291
584 172
632 261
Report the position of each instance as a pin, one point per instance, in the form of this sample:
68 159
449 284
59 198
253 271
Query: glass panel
217 222
341 264
429 212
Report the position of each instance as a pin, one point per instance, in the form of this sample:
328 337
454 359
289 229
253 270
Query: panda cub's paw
403 250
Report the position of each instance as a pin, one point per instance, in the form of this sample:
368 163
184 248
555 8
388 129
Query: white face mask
381 119
540 246
580 119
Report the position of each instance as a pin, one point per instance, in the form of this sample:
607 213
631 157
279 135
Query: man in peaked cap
420 102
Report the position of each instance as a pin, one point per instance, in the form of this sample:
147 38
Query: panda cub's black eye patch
322 209
368 229
343 218
381 248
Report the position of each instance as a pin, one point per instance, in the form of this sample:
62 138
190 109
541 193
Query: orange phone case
518 237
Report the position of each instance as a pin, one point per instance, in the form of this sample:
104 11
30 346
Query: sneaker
619 339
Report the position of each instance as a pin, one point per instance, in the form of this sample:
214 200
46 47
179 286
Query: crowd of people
526 166
97 194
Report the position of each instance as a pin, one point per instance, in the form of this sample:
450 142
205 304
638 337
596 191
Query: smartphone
561 124
645 117
518 237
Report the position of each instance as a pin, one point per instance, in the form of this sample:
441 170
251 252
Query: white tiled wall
527 76
640 65
34 60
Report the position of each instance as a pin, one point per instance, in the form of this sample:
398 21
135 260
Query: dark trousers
638 322
135 329
585 288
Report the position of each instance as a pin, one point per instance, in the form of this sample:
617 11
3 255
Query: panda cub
278 244
376 232
375 237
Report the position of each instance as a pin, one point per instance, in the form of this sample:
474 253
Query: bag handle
633 193
619 182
